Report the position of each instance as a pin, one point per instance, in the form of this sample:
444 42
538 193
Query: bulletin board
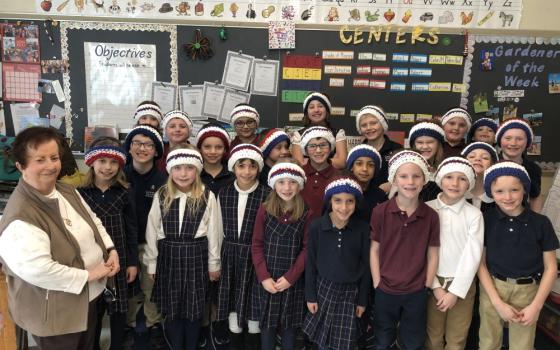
519 77
275 111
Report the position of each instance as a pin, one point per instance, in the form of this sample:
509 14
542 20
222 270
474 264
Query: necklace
67 221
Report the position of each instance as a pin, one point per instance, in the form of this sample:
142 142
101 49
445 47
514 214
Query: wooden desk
8 334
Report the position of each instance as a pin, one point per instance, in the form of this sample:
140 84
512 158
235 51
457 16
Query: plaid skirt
335 324
181 281
281 310
235 293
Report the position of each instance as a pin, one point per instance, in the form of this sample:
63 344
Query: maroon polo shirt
453 151
314 189
403 245
257 248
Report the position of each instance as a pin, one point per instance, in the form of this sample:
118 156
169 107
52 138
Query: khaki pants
491 325
448 330
134 303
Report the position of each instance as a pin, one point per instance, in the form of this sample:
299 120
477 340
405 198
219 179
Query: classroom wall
539 16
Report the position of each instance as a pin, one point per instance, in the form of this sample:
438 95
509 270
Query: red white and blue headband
286 170
375 111
343 185
179 115
99 152
184 156
244 111
245 151
148 109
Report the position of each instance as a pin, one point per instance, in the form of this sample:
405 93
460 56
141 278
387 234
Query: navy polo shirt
373 196
515 244
535 174
338 255
224 177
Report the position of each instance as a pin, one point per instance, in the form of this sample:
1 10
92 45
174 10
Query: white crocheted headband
457 112
456 164
404 157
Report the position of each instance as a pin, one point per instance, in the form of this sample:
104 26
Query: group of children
239 233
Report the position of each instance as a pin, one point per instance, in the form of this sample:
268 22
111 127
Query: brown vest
39 311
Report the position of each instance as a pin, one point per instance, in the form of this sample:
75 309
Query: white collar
250 190
454 207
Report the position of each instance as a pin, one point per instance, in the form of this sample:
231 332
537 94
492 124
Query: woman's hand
98 272
312 307
268 285
131 273
113 263
282 284
214 275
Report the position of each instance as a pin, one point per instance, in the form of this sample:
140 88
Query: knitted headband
271 139
489 122
317 96
184 156
506 168
244 111
286 170
375 111
245 151
147 131
147 110
456 112
404 157
315 132
363 150
453 164
515 123
98 152
480 145
343 185
426 129
212 130
179 115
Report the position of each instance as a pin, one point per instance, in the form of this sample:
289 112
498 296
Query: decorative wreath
200 48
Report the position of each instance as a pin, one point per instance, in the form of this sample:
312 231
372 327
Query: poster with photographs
20 43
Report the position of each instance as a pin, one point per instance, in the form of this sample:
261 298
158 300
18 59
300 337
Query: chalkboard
511 76
254 41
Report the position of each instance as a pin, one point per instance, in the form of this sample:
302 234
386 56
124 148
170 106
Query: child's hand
312 307
268 285
438 294
282 284
529 315
152 276
131 273
214 275
360 311
508 313
376 282
446 302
